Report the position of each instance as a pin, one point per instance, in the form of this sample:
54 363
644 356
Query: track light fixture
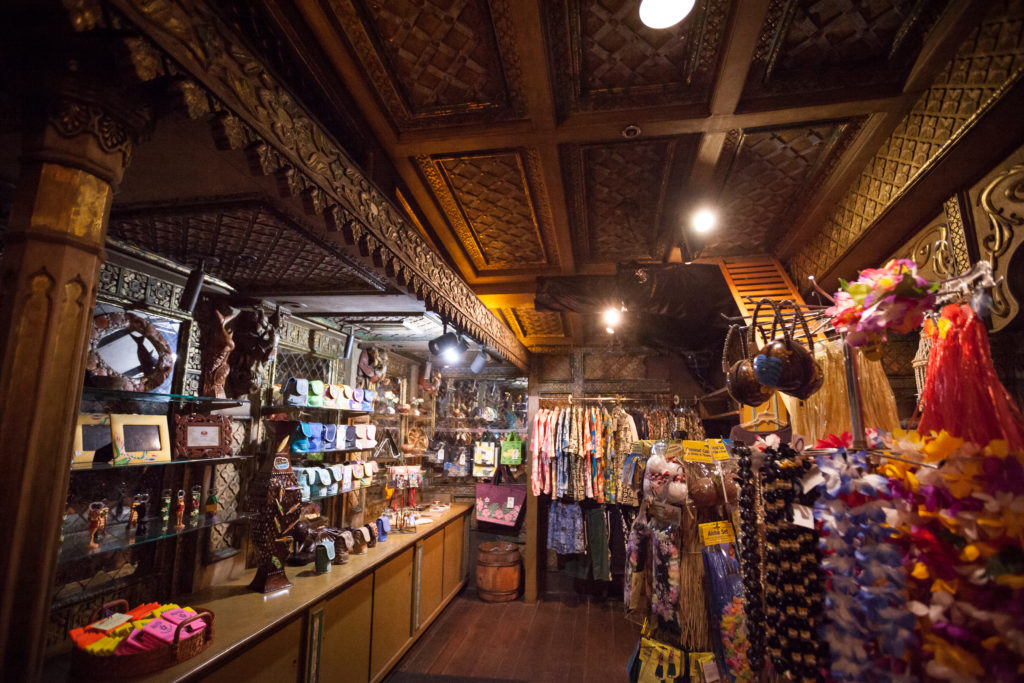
477 366
193 286
449 346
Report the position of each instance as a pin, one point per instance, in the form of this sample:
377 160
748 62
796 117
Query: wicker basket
91 667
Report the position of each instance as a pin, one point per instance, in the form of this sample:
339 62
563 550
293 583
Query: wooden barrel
498 567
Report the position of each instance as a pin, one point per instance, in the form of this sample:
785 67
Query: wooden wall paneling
276 658
454 553
392 613
345 644
430 578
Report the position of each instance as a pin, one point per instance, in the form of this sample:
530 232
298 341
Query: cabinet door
431 578
454 551
392 612
345 644
275 658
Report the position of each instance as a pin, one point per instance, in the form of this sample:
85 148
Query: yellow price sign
696 451
716 533
717 449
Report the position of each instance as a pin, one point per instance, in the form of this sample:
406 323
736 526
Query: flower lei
962 526
867 626
893 297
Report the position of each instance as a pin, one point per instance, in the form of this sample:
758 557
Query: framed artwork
202 436
139 439
92 432
131 350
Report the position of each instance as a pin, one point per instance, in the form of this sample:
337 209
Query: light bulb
612 317
664 13
451 355
610 330
704 220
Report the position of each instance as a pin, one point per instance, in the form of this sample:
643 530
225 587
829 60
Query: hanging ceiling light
449 346
664 13
477 366
612 316
704 220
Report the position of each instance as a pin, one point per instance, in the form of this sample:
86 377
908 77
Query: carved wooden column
72 162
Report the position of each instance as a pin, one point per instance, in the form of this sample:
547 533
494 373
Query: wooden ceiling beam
952 27
503 136
740 46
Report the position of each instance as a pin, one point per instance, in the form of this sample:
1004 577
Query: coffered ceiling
563 137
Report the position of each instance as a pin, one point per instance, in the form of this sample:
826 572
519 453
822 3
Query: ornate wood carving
497 205
604 58
769 179
813 49
1002 201
988 63
192 33
436 63
259 249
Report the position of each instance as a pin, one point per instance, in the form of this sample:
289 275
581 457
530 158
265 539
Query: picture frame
92 432
140 439
202 436
132 350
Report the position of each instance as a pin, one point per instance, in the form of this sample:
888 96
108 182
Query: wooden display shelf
103 466
245 618
101 394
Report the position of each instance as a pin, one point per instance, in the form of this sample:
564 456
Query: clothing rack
474 430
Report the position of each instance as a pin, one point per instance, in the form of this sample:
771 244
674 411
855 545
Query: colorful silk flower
893 298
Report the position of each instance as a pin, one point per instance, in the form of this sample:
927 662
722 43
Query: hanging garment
595 563
565 529
828 411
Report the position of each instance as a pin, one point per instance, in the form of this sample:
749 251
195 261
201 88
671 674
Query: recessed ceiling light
704 220
664 13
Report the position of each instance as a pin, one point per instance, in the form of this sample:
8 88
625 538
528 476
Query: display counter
355 621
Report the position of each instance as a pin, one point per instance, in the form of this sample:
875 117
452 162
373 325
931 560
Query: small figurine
143 500
211 506
97 523
165 507
197 499
133 519
179 510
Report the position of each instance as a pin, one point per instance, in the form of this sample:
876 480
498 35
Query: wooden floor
565 637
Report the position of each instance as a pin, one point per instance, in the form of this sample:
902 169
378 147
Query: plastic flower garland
868 627
962 527
892 298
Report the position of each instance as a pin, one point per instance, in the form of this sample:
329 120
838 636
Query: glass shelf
98 466
300 456
101 394
314 499
75 545
282 409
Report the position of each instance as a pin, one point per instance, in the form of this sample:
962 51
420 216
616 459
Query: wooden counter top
243 616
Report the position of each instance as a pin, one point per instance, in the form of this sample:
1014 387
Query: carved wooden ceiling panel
619 194
497 206
603 57
435 62
768 177
536 327
823 48
258 248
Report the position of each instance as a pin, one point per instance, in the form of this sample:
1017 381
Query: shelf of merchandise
103 466
75 545
314 499
286 408
101 394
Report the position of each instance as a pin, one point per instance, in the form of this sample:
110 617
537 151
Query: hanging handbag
316 394
512 450
346 479
295 391
369 397
786 364
300 438
740 378
330 437
350 437
316 436
330 396
483 453
499 503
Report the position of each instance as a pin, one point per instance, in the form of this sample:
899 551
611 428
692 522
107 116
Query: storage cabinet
454 554
392 611
345 644
275 658
430 575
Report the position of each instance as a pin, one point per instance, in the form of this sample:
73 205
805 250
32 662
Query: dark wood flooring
563 637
